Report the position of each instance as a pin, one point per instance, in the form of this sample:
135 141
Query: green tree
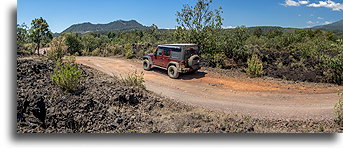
275 33
89 43
22 36
200 21
234 44
40 33
73 42
152 34
111 35
257 32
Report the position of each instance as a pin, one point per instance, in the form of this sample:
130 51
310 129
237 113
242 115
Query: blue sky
60 14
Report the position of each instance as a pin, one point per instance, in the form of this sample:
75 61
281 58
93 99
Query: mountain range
336 26
121 25
112 26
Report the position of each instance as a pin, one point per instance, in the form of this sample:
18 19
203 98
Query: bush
31 47
72 40
67 76
218 59
334 67
70 59
339 110
128 53
117 50
255 67
96 52
133 79
57 49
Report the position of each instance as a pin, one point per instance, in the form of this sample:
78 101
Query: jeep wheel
172 72
146 65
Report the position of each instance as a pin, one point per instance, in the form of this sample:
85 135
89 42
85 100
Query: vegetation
73 42
67 76
40 33
134 79
255 68
200 25
339 110
57 49
22 36
310 54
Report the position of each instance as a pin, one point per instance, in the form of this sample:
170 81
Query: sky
60 14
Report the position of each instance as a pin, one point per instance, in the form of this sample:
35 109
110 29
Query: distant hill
333 26
336 27
266 29
113 26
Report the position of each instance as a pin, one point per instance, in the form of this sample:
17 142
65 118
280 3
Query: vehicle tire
193 60
172 72
146 65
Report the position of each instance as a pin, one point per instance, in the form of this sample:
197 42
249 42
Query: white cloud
295 3
319 18
304 2
309 22
291 3
228 27
327 22
328 4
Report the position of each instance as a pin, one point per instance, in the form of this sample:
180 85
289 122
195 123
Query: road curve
243 96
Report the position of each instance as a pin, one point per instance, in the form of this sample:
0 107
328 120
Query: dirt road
238 95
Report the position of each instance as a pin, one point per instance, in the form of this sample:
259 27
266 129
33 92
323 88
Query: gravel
103 105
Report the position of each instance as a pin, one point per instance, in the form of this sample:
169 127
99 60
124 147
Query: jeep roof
176 45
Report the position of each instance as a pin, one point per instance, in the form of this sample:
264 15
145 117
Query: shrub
218 59
255 67
339 110
72 40
96 52
57 49
133 79
334 67
30 47
117 50
128 53
67 76
70 59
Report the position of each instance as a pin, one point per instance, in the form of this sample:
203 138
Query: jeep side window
175 53
166 52
159 51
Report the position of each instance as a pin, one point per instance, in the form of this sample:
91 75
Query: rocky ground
103 105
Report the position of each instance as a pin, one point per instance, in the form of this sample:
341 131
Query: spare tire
194 61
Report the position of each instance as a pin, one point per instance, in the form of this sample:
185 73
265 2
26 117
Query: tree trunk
38 44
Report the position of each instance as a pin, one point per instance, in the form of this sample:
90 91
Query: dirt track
238 95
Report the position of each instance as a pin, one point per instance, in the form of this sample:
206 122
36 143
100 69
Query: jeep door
158 57
166 57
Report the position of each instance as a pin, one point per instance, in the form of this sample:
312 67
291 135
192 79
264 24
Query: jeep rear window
190 52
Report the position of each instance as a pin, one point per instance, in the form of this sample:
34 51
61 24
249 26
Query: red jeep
175 58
